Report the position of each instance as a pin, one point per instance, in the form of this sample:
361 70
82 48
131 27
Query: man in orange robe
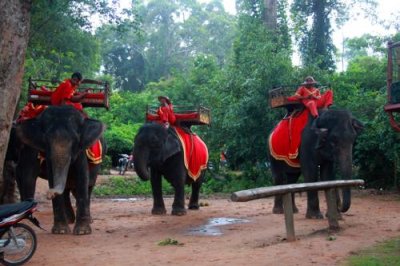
64 94
166 111
311 97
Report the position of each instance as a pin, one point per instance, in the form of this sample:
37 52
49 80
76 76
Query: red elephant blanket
284 141
94 153
195 152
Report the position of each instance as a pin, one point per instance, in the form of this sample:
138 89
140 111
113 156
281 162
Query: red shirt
64 92
166 114
304 92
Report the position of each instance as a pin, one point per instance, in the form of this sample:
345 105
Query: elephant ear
30 133
358 126
91 131
171 147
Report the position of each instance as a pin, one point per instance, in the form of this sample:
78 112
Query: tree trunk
14 35
270 14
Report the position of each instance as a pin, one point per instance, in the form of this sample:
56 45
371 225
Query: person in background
311 97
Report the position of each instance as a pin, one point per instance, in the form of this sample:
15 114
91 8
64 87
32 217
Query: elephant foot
178 211
60 229
194 206
158 211
314 215
82 229
277 210
70 217
339 216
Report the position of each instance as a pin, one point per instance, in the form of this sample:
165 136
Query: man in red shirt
65 92
311 96
166 111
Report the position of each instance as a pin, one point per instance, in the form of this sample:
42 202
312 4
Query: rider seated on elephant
167 116
166 111
65 92
311 97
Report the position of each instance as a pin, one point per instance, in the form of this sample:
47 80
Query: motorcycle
18 240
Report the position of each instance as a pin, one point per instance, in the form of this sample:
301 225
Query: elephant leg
82 224
26 173
8 193
313 211
156 187
310 173
279 179
69 211
60 225
292 178
178 206
194 197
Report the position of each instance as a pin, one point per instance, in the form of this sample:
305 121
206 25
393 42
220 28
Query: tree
14 32
313 28
270 14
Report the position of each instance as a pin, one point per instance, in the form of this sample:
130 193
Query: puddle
212 228
126 199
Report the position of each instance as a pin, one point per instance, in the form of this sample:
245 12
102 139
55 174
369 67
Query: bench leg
333 215
289 222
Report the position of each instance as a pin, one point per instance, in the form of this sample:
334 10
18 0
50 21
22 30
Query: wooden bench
286 191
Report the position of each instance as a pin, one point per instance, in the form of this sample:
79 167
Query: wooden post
331 202
288 210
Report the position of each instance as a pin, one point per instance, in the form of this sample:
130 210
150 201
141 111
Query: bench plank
264 192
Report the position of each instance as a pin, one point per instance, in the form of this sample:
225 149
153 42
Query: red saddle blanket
195 152
284 141
94 153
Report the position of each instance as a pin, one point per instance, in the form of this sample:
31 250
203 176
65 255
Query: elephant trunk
140 162
60 162
345 165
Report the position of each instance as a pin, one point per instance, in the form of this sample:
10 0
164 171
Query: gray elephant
159 150
326 142
63 134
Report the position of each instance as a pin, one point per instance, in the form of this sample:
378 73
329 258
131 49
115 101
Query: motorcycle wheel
20 251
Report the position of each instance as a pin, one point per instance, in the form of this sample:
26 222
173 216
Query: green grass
384 254
120 186
127 186
230 181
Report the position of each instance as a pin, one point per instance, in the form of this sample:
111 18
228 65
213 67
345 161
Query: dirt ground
125 233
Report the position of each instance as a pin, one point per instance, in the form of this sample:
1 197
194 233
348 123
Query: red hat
164 97
309 81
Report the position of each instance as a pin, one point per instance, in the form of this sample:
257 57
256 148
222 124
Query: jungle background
199 54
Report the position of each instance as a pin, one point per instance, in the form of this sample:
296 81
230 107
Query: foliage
170 242
124 186
313 21
233 181
128 186
386 253
171 34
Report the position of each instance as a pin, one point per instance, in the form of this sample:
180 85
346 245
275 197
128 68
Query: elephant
63 134
326 142
159 150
